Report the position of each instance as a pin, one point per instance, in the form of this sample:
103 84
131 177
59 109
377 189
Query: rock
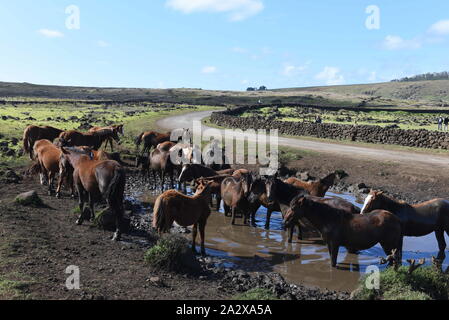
29 198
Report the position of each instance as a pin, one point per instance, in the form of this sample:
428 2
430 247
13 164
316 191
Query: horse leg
299 231
234 211
441 244
51 177
226 210
202 225
218 197
267 223
111 143
333 251
91 207
194 233
81 199
117 210
290 233
162 172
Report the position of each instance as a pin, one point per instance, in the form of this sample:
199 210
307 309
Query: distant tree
426 76
262 88
251 89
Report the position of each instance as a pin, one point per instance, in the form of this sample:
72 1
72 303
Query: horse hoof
58 196
116 237
79 222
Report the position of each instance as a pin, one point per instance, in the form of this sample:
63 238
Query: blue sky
220 44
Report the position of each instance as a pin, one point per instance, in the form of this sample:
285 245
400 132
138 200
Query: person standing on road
440 123
446 123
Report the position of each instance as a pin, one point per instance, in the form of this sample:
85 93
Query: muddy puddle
304 262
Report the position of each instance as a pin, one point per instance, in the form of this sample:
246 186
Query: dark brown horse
353 231
174 206
279 195
238 194
96 179
417 220
150 140
75 138
109 134
31 134
315 188
192 171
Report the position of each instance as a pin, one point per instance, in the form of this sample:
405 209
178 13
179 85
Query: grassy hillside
419 94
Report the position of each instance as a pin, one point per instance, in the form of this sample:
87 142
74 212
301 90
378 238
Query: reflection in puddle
306 262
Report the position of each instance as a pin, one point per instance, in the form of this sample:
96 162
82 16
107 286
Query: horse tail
159 219
35 168
113 191
27 143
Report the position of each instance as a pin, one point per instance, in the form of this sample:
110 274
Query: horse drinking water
340 228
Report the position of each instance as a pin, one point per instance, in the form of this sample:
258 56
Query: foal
95 179
174 206
353 231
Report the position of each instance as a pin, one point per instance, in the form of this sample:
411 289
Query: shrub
423 284
171 252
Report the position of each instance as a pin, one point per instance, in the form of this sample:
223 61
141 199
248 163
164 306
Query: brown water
304 262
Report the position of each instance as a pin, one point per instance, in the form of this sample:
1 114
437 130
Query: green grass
256 294
47 114
424 283
168 253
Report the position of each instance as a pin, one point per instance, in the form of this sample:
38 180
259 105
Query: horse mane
285 191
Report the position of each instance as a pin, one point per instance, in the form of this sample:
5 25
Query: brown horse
47 163
278 196
174 206
75 138
159 161
341 228
108 134
315 188
238 194
215 187
95 179
417 220
31 134
151 139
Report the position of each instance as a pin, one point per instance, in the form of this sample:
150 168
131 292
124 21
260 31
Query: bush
171 252
256 294
425 283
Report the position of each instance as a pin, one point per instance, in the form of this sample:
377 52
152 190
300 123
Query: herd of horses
94 175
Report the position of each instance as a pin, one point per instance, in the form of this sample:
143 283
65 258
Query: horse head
271 187
373 201
294 212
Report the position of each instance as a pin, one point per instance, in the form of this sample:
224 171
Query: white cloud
51 33
397 43
103 44
237 10
291 69
440 28
331 76
209 69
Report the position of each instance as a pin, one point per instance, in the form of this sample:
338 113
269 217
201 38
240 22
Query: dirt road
342 150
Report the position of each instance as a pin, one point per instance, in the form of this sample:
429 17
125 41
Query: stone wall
363 133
